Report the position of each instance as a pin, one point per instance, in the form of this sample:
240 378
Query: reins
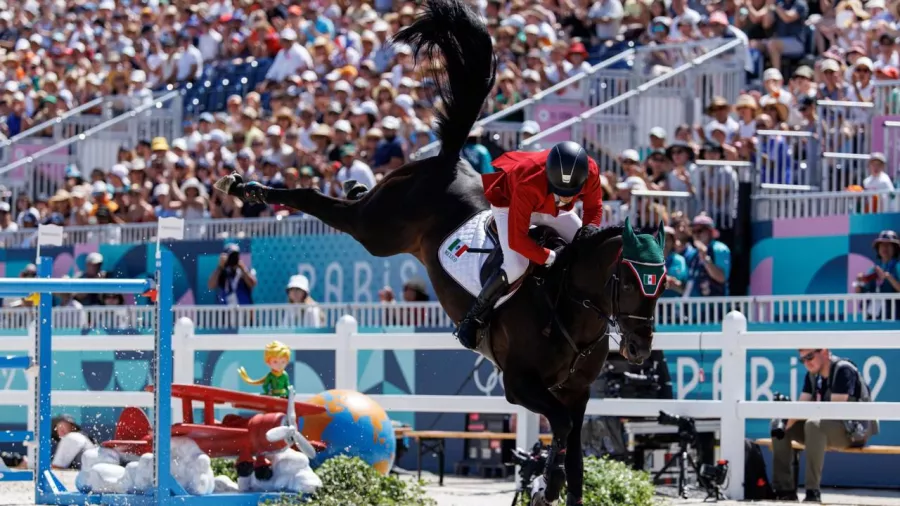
585 301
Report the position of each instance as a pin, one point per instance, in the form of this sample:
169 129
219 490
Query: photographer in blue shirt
708 261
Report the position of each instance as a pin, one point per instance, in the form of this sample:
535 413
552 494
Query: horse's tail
246 377
470 66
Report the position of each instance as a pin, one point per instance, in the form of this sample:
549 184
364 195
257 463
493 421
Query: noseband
586 301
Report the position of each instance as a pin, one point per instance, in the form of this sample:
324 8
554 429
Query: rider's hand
550 259
222 259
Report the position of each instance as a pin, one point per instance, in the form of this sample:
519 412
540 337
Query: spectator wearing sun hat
304 311
390 153
708 260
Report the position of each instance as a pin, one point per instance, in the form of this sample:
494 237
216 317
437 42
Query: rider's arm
592 197
522 204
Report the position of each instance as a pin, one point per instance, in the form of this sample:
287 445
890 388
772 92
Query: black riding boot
478 315
354 190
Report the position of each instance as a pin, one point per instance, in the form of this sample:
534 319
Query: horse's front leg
575 457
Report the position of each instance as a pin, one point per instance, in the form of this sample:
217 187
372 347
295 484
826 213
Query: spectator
309 314
232 280
69 441
676 266
884 276
93 269
877 180
708 260
476 154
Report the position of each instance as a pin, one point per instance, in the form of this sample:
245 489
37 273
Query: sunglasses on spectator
809 356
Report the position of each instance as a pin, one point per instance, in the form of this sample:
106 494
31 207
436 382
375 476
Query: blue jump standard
10 362
16 436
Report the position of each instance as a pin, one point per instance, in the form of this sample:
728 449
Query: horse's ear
661 235
628 233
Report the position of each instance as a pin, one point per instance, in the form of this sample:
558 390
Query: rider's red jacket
521 185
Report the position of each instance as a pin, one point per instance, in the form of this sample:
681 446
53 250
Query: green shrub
224 467
608 482
349 481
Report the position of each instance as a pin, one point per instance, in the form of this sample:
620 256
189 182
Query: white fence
843 308
731 405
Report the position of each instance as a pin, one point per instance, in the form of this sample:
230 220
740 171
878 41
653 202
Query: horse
550 333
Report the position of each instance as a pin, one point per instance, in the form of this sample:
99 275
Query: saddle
543 235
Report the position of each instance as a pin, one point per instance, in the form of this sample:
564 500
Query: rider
533 188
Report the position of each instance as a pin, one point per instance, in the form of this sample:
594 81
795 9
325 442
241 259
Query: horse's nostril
632 350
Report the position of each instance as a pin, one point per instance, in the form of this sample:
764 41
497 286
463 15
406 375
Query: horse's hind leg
527 391
340 214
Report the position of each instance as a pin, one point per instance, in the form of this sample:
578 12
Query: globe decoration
353 424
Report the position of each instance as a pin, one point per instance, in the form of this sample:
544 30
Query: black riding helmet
567 169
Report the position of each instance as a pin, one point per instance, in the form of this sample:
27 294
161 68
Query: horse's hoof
538 500
229 184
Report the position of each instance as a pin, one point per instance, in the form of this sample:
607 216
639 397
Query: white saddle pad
463 265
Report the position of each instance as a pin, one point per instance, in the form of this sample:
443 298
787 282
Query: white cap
864 61
343 125
343 86
4 207
772 74
632 155
658 132
161 189
309 76
138 76
180 143
288 34
119 170
274 130
298 281
632 183
218 136
94 258
390 123
530 127
830 65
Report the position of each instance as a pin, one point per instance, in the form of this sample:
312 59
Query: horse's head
625 273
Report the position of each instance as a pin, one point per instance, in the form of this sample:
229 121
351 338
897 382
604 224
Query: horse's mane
595 236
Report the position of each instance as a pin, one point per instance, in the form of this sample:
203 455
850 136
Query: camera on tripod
687 427
714 475
530 465
777 427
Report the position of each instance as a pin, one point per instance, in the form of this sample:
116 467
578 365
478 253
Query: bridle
586 301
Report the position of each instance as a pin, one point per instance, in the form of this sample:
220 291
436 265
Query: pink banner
887 141
52 165
548 115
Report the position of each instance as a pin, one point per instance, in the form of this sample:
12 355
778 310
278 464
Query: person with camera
232 280
829 378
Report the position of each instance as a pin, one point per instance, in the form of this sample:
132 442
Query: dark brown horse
551 337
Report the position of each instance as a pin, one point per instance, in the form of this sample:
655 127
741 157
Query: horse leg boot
354 190
481 310
336 213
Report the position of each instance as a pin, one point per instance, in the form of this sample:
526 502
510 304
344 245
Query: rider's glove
550 259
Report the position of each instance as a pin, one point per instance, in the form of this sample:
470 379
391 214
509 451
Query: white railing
576 128
673 312
91 141
573 86
729 403
774 206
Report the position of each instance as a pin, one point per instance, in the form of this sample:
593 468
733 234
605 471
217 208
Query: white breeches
514 264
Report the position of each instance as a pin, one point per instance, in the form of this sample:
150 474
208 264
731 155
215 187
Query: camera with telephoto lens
687 427
777 427
530 464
